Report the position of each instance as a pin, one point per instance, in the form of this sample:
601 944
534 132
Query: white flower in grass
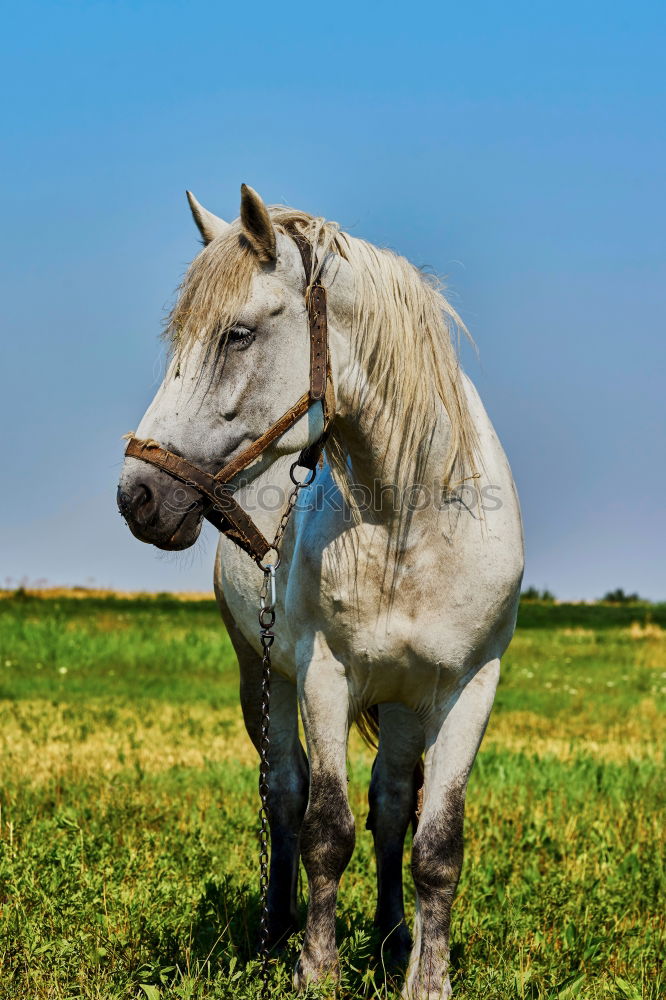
62 670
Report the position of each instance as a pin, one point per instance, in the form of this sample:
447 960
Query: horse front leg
287 780
327 834
287 794
392 797
452 738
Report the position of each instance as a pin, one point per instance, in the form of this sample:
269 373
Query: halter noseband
219 505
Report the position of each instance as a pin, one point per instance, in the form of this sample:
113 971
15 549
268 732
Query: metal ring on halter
306 482
270 567
267 596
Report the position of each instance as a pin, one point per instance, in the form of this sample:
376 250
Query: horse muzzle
157 509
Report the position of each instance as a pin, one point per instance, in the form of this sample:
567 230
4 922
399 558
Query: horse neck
383 463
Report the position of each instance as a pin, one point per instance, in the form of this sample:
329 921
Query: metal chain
291 503
267 600
267 636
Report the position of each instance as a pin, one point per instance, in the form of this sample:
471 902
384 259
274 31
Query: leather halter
216 498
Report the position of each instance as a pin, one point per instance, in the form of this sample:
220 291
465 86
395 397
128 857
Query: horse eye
240 337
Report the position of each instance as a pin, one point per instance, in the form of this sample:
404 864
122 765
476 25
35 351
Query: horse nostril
138 504
145 506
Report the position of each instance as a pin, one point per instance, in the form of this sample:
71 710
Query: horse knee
437 855
328 832
288 791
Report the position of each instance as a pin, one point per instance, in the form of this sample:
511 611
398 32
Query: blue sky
517 149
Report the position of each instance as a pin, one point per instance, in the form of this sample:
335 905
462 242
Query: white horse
399 580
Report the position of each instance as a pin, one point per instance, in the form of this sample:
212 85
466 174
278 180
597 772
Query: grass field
128 847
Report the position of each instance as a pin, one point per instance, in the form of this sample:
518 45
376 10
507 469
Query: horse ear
209 225
257 224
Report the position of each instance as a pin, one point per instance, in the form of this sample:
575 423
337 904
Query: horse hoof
415 990
310 970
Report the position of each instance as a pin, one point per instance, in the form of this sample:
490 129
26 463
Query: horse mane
405 335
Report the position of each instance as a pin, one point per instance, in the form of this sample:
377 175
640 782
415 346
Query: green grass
128 845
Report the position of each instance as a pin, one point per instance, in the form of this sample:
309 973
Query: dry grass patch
645 630
641 735
41 742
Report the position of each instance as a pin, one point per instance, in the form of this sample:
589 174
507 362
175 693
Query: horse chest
375 633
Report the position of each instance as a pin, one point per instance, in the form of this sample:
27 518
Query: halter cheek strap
218 504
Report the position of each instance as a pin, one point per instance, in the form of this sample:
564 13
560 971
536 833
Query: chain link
267 598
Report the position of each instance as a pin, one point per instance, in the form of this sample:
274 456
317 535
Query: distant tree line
617 596
534 594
